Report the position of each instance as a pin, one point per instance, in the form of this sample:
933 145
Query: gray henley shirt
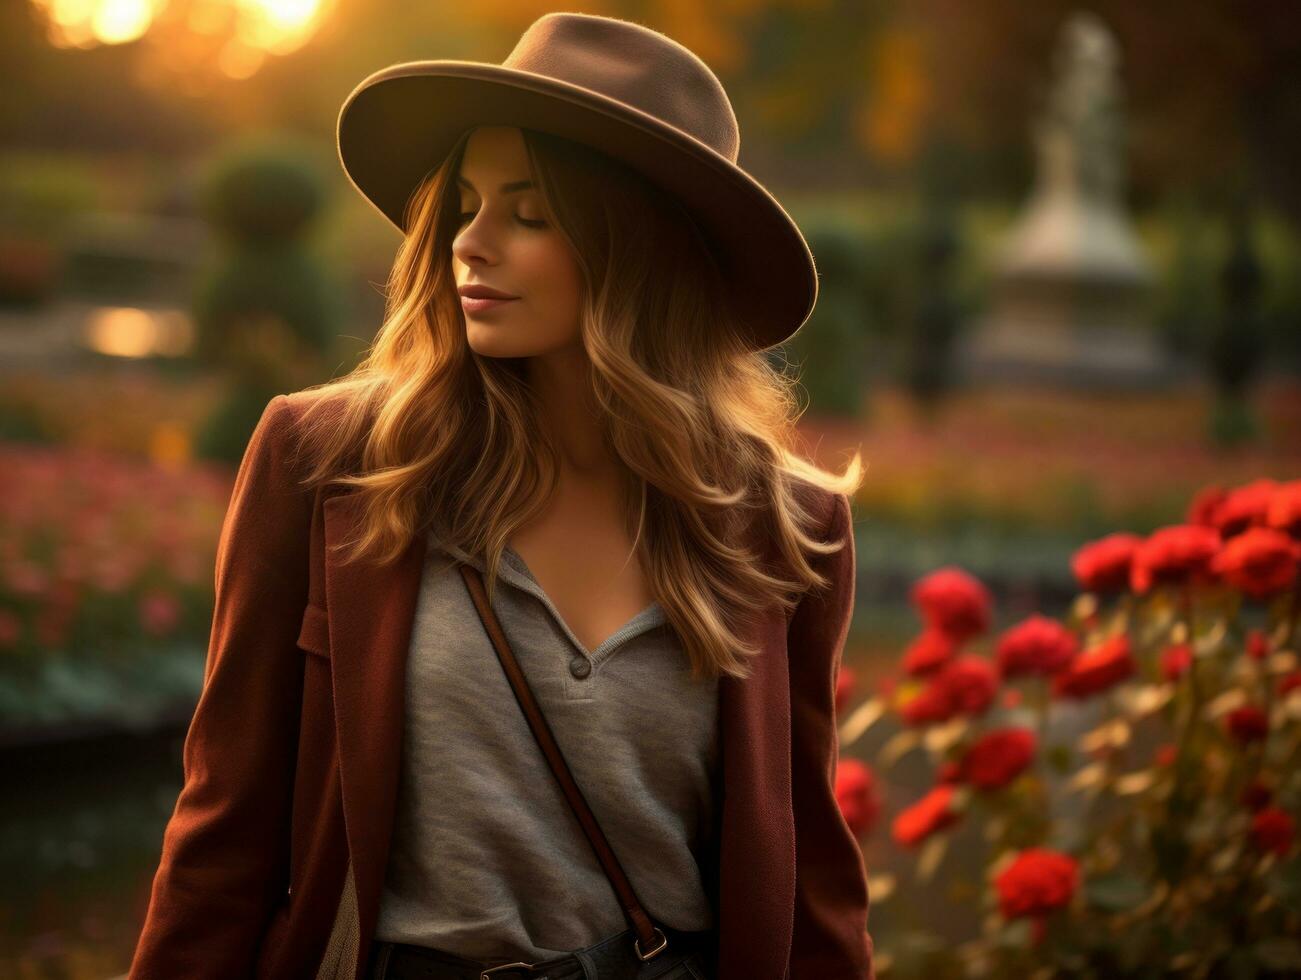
487 857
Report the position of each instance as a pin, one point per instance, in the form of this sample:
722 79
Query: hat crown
634 65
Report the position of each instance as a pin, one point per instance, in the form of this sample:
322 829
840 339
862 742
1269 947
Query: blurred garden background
1060 259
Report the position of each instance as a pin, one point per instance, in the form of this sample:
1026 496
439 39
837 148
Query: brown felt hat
629 91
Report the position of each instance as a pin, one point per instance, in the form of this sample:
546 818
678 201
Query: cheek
554 277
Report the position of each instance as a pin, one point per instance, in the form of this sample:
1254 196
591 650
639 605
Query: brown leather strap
646 930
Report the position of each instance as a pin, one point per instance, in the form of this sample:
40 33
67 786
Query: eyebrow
510 188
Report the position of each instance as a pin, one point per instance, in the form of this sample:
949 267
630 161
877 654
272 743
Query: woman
568 394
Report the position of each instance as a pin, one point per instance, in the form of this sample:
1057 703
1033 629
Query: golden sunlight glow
245 32
123 331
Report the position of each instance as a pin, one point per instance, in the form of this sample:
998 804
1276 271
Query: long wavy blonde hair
438 438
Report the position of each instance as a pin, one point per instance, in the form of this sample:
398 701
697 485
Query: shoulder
831 510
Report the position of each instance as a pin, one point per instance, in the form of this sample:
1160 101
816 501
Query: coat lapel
757 835
371 613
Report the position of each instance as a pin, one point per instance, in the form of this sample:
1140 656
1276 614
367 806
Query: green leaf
1118 891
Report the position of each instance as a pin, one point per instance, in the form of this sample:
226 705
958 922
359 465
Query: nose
473 242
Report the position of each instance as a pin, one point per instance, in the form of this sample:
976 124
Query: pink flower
160 612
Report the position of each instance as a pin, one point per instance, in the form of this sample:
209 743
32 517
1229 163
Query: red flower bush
1247 724
928 652
1037 881
845 683
1244 507
1205 503
857 794
1273 829
1175 661
1196 665
1103 566
929 815
1256 795
1257 645
998 757
1097 669
965 685
1284 510
1036 645
1260 561
953 601
1175 555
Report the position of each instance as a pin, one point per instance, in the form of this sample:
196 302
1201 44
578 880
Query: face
504 242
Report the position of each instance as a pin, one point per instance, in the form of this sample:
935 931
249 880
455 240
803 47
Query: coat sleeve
830 938
224 862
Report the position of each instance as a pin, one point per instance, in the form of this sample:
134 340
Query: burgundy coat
273 860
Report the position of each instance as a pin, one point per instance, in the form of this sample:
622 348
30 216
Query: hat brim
400 123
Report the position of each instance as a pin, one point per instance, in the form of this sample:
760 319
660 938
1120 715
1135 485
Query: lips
482 304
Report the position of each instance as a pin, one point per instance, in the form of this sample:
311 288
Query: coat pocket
314 636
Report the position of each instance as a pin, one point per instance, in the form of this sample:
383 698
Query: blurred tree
266 309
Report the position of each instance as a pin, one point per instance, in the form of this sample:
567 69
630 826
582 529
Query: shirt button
580 666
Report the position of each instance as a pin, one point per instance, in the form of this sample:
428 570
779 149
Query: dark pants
687 957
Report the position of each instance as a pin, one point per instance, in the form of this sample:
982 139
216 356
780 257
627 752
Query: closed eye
527 222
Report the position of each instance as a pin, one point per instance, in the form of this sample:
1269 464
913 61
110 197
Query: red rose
948 772
1273 829
1175 661
1037 881
1289 683
1097 669
1247 724
844 689
1204 505
951 600
1257 644
1036 645
973 683
1284 511
856 792
932 813
1244 507
1165 754
932 703
1256 795
1260 561
965 685
928 652
1174 555
998 757
1103 565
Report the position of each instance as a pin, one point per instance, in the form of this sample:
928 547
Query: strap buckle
485 974
636 944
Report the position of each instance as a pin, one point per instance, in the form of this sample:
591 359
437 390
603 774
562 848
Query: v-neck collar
514 570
